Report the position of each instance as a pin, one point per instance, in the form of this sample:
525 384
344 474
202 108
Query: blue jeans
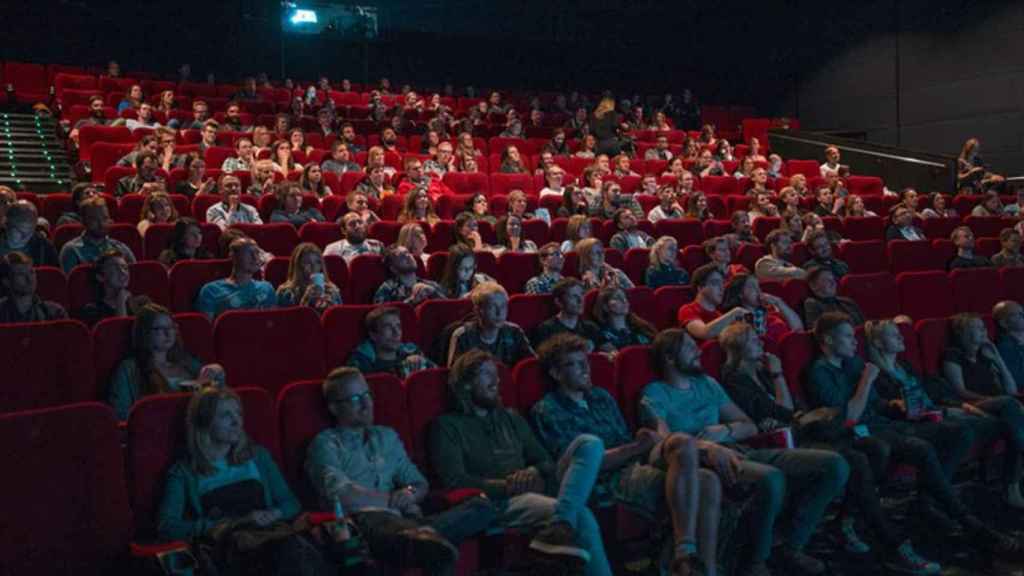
577 472
812 478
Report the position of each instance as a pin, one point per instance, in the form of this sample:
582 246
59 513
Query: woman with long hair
412 237
157 208
620 327
578 228
185 243
307 284
480 208
158 363
460 275
972 176
594 271
466 233
132 99
290 207
225 486
512 162
312 181
418 207
196 181
509 231
297 138
770 316
940 207
697 207
284 160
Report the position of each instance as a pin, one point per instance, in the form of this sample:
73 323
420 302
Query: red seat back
976 290
529 310
867 228
301 415
64 500
51 284
796 352
515 269
908 256
366 273
686 231
808 168
633 371
505 183
863 257
434 315
925 294
278 238
46 364
875 294
158 238
932 338
188 277
320 233
344 329
270 348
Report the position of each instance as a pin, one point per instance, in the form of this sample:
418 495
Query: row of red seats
253 344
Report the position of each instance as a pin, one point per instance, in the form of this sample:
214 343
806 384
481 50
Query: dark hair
461 221
141 158
775 235
703 274
97 270
551 352
501 229
734 290
375 315
666 344
634 322
450 276
177 238
814 271
827 323
564 285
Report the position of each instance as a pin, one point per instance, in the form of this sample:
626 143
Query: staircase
32 157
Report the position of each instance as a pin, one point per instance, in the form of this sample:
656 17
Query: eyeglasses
358 400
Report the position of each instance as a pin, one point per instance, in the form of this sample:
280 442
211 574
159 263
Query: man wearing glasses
551 261
364 469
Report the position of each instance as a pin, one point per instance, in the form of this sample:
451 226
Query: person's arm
954 373
324 470
172 521
859 401
738 426
282 499
447 455
68 258
791 317
709 330
989 350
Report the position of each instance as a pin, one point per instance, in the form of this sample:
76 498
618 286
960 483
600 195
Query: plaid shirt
408 359
234 164
542 284
348 251
624 241
509 347
559 420
394 291
619 279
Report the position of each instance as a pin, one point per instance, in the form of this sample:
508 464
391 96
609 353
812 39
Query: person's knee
682 450
710 487
772 486
836 471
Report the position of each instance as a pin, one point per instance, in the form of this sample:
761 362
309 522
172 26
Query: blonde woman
307 284
418 207
604 125
594 271
664 269
225 484
414 239
156 208
577 229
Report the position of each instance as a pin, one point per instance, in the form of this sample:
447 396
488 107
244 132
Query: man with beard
96 117
686 400
146 166
404 285
355 242
483 445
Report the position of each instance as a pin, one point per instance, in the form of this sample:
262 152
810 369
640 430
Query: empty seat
529 310
797 351
1013 282
925 294
505 183
51 284
45 364
515 269
188 277
932 339
344 329
939 227
908 256
668 300
269 348
65 504
633 371
366 273
976 289
875 294
320 233
279 238
863 257
809 168
468 183
686 231
301 415
434 315
719 186
987 226
864 185
867 228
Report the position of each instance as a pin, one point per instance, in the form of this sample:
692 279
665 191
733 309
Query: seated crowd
698 445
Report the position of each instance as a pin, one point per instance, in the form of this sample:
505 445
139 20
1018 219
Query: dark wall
927 78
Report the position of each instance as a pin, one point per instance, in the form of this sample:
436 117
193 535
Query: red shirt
694 311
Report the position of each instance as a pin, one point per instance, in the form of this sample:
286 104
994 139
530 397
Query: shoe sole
560 550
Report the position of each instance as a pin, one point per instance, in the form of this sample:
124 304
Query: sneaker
559 539
907 561
849 538
803 563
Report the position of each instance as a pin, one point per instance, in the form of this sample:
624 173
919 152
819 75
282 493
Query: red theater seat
863 257
809 168
344 329
976 289
146 278
867 228
532 384
45 364
633 371
434 315
269 348
279 239
188 277
925 294
65 505
158 238
908 256
797 351
468 183
366 274
320 233
875 294
505 183
515 269
51 284
301 415
932 339
529 310
686 231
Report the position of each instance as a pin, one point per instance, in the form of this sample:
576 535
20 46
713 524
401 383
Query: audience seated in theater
826 204
789 200
110 276
819 247
839 379
483 445
551 261
418 207
754 380
20 234
489 330
613 200
442 162
685 400
821 283
261 177
588 147
775 265
403 284
592 181
509 232
660 150
511 161
358 202
620 327
412 237
719 251
557 146
792 223
95 239
554 178
991 419
568 297
241 290
517 206
697 207
340 160
1015 209
231 210
157 208
663 268
312 182
742 230
185 243
768 314
348 136
707 165
460 276
147 143
307 285
20 303
629 235
701 318
298 141
158 363
902 227
1009 256
939 207
973 365
207 135
146 166
230 487
575 203
990 207
622 167
284 158
654 472
416 179
972 174
831 164
242 161
854 207
594 271
289 206
478 206
466 233
668 206
355 241
364 469
762 205
383 350
758 183
196 181
963 240
79 193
